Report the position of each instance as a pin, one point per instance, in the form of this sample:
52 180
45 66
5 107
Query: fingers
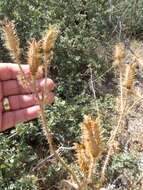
0 116
20 112
24 101
10 119
12 87
10 71
1 94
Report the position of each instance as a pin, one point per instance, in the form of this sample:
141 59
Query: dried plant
91 137
89 149
82 158
11 40
119 55
33 56
49 42
126 78
129 76
12 43
33 59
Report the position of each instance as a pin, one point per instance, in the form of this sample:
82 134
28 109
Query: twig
104 73
48 135
91 170
114 133
121 90
110 148
47 159
52 150
138 181
70 184
111 10
94 94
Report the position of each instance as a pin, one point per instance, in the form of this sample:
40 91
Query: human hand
22 102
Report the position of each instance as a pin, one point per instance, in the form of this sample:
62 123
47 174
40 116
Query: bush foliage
88 31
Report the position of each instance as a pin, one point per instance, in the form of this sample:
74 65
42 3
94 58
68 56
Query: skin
22 102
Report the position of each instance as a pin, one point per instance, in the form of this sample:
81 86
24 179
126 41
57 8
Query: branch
48 159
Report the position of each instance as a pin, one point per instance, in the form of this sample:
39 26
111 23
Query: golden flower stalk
33 59
91 136
12 43
129 76
118 57
119 52
11 40
82 159
49 42
33 56
127 73
90 147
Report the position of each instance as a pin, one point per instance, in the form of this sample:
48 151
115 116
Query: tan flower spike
90 146
33 56
11 39
49 41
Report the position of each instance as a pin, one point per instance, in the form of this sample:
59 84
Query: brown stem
115 131
49 136
49 139
21 70
91 169
110 149
121 90
46 130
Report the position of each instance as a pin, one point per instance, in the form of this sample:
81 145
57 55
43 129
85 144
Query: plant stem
121 90
113 135
49 139
47 132
91 169
112 138
49 136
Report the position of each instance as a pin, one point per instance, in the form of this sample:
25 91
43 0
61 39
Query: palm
22 103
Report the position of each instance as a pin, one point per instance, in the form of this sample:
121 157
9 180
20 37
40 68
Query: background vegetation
89 31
